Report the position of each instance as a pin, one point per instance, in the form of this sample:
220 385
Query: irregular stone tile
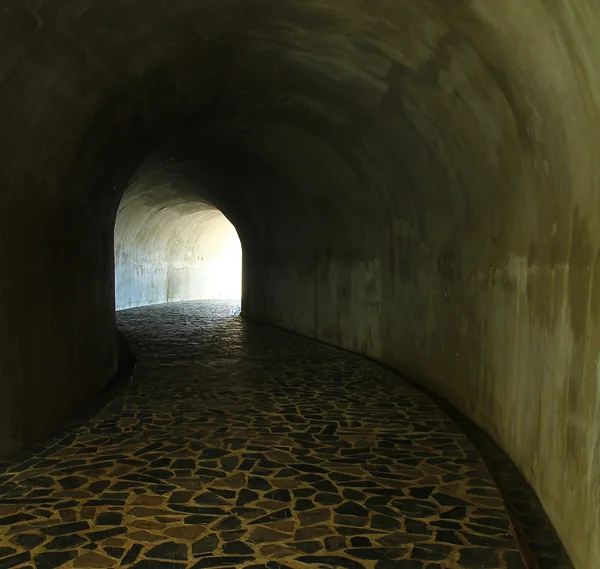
66 542
131 555
205 545
228 523
237 548
143 535
168 550
264 535
331 561
109 519
316 516
147 500
28 540
304 534
54 559
186 532
479 558
352 509
116 552
63 529
94 560
276 551
431 552
221 561
17 559
279 515
236 481
157 564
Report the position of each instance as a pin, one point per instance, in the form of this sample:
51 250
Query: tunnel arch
419 176
171 244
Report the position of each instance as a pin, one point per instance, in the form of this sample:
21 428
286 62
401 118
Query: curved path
240 445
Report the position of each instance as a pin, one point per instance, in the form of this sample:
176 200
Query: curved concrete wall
415 180
170 246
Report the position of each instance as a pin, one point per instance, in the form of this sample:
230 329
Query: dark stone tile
156 564
331 561
109 519
15 519
168 550
327 499
105 534
379 521
374 553
63 529
131 555
479 558
302 505
257 483
277 516
221 561
352 509
205 545
116 552
279 495
66 542
237 548
308 546
431 551
28 540
228 523
54 559
14 560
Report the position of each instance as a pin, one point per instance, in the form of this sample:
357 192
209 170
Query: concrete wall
171 246
415 180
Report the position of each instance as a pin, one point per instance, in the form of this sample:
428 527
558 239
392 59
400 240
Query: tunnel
413 181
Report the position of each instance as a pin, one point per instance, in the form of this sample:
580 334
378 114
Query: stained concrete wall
415 180
171 246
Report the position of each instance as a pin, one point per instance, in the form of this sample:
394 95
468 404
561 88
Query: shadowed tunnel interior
416 181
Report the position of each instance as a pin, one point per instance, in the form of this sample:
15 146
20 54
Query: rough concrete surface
414 180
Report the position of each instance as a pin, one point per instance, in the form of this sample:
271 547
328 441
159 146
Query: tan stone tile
147 500
188 483
186 532
308 533
284 483
94 560
87 513
143 535
312 517
236 481
264 535
114 542
284 525
68 515
146 524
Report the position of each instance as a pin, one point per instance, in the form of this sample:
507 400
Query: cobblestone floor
240 445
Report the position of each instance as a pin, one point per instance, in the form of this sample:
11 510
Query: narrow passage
240 445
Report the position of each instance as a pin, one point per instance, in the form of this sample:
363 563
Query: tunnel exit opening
172 245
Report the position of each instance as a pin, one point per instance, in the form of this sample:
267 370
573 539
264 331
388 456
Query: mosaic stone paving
239 445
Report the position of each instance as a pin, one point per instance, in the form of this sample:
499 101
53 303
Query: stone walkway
239 445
